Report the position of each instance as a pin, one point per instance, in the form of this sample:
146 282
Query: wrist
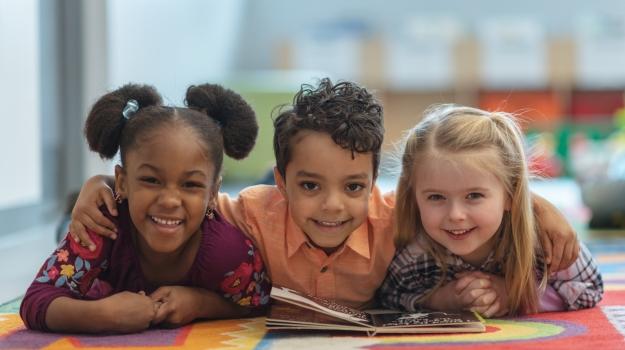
97 314
444 298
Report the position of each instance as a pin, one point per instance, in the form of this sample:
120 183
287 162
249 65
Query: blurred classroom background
559 64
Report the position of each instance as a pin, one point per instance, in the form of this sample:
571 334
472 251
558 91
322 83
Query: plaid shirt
414 273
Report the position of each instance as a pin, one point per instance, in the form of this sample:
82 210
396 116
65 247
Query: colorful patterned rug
602 328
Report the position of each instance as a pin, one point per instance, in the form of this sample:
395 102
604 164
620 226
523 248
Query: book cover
296 310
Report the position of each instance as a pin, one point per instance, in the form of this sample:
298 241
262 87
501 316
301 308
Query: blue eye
309 186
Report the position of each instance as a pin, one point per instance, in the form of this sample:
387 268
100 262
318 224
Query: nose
333 201
169 198
457 211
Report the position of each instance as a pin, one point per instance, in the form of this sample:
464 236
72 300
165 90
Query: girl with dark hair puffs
175 259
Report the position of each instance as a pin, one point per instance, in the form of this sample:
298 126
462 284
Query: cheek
430 216
301 207
359 208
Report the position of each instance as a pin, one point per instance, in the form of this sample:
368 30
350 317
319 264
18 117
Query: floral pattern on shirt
67 268
247 285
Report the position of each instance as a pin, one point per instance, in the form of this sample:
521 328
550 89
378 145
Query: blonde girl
466 228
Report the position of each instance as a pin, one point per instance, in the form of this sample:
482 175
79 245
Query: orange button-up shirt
350 275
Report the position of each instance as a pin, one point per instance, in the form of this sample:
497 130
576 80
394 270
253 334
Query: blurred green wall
261 159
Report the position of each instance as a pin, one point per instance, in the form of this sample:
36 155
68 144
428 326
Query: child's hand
87 215
499 307
472 289
129 312
491 297
558 238
178 305
459 294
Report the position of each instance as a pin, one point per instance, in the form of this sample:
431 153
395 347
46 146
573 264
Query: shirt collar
295 237
358 241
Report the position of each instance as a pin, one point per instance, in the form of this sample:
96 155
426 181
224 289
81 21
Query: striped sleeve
581 285
410 277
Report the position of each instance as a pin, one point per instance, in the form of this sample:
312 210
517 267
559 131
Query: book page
424 318
320 304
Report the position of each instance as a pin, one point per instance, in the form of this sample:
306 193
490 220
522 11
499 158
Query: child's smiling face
461 205
169 182
327 190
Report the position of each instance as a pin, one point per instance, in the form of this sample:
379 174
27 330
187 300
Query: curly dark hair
220 118
347 112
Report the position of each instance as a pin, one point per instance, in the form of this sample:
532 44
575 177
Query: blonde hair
451 129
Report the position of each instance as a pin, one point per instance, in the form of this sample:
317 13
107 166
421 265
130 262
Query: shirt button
324 269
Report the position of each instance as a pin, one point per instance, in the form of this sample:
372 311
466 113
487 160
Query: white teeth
165 221
330 223
458 232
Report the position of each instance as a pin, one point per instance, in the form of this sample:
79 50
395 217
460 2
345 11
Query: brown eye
355 187
193 184
309 186
149 180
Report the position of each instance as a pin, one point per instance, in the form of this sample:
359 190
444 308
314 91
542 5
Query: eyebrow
187 173
359 176
472 189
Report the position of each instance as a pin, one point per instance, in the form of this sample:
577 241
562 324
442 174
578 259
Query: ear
280 182
120 181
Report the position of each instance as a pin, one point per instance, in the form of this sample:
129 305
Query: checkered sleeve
411 276
580 286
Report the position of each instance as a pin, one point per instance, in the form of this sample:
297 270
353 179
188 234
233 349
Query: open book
295 310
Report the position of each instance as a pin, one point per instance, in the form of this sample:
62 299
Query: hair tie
132 106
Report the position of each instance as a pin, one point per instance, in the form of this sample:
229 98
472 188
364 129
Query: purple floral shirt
227 262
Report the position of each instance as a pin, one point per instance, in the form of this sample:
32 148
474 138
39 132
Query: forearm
441 299
72 315
212 306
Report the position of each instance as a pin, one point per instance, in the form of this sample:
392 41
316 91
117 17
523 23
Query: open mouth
165 222
460 233
330 224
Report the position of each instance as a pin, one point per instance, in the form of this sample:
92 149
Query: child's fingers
462 282
480 309
76 230
107 197
161 294
471 282
469 296
486 299
557 251
492 309
162 313
569 255
547 247
80 235
105 227
88 221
